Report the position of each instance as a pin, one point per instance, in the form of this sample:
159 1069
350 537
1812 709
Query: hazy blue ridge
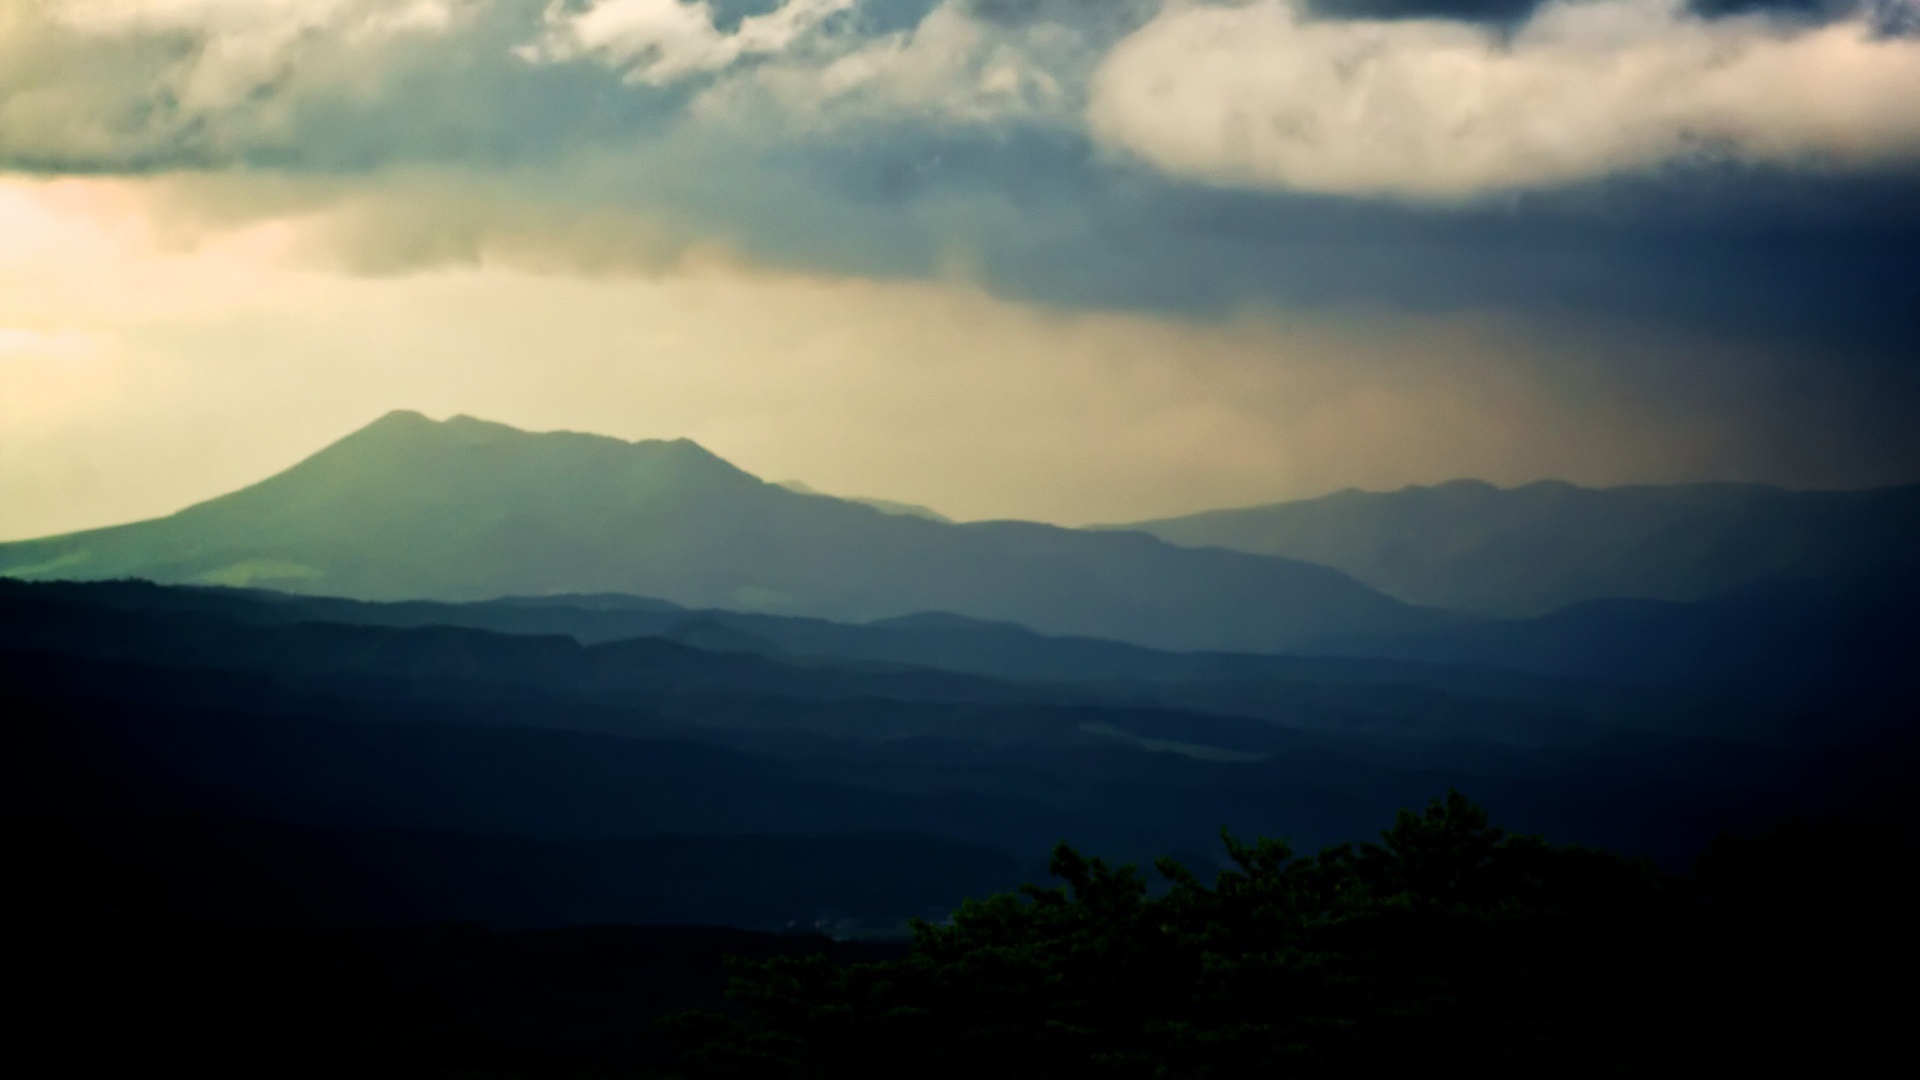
1528 550
408 508
114 711
953 659
1645 663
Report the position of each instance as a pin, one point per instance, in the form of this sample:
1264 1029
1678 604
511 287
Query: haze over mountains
1795 594
534 683
409 508
1470 546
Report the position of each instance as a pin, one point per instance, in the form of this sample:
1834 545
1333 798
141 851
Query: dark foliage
1449 945
229 829
140 996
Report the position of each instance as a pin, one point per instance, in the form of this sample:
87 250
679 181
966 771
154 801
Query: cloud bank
1265 96
1625 158
1602 195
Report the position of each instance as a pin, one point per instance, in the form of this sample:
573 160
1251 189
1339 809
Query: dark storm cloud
909 176
1827 261
1117 16
1889 16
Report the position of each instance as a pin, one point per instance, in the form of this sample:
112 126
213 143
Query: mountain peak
412 428
466 509
397 421
409 422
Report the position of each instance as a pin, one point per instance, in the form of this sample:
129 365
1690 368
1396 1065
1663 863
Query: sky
1070 260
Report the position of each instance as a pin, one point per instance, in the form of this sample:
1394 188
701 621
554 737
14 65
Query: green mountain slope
411 508
1528 550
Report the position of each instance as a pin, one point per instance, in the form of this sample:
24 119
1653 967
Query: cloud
828 65
662 41
131 85
1334 98
237 46
271 20
899 140
1260 96
949 68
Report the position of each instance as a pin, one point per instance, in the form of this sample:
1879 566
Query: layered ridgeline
465 509
1470 546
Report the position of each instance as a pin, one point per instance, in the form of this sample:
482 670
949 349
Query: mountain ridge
1528 550
465 509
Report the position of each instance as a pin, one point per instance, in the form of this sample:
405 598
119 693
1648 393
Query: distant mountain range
411 508
120 701
1786 647
1473 547
465 510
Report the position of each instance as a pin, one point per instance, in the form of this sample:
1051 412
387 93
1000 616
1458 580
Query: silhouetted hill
1527 550
131 700
655 649
409 508
1788 647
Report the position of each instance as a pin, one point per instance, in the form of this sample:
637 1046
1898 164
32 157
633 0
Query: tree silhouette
1448 941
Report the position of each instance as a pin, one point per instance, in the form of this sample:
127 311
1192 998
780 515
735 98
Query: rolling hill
125 704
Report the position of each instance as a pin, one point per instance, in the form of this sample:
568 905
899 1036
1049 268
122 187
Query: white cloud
1259 95
663 41
950 66
87 85
274 20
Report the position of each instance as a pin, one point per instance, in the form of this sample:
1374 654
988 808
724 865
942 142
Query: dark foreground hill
1449 947
241 838
1446 946
1470 546
408 508
1648 665
556 782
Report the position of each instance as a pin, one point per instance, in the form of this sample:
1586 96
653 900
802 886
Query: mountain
464 509
121 704
1583 673
1470 546
944 676
885 506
